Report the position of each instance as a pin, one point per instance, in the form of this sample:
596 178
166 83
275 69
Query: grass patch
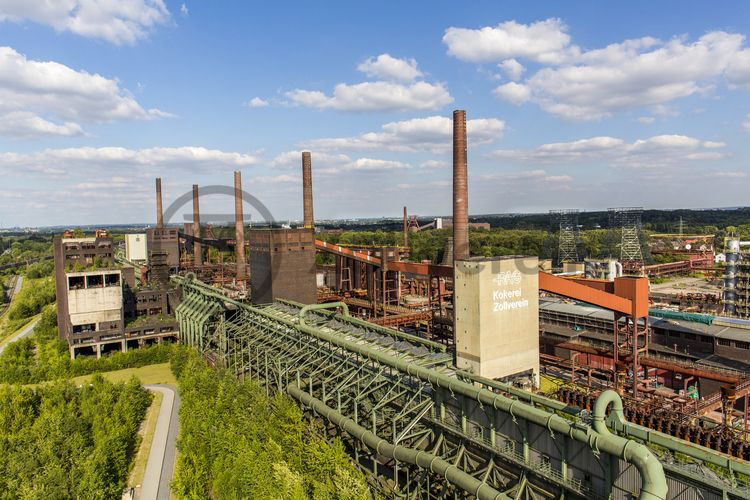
146 435
150 374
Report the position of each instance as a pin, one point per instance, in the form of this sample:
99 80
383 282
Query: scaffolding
628 221
567 223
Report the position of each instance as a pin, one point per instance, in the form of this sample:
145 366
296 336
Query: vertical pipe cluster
406 230
197 254
159 213
239 227
460 188
307 196
730 277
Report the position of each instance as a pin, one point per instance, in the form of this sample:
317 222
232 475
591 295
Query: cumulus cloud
87 160
513 92
512 69
654 151
376 96
390 68
116 21
578 84
257 102
49 98
325 164
433 134
543 41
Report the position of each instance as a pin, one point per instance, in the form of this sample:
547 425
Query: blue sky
570 105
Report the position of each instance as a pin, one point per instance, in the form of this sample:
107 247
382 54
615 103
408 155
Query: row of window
93 281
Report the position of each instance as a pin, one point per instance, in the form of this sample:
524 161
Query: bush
235 442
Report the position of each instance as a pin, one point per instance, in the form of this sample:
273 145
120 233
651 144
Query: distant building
136 248
100 306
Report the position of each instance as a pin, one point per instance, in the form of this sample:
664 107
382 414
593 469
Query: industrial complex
432 372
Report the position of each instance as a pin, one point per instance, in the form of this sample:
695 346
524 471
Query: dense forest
235 442
59 441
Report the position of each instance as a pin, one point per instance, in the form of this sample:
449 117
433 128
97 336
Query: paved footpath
161 458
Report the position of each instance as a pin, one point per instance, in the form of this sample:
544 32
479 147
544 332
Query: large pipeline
239 228
422 459
653 480
460 188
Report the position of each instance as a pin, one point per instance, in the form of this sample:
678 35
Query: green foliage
40 269
58 441
31 299
235 442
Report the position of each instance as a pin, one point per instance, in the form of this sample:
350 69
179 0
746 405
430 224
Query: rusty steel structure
239 228
460 188
307 191
197 250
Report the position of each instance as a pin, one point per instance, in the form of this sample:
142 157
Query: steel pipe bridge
422 429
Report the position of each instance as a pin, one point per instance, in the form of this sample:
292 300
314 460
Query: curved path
161 458
23 333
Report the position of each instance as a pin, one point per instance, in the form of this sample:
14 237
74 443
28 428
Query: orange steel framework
627 297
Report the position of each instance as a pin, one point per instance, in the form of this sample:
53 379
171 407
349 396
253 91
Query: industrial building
100 305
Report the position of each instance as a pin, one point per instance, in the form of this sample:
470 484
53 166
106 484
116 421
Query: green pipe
628 429
652 472
378 328
422 459
318 307
653 481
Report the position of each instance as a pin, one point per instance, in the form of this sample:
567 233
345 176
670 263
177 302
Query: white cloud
116 21
513 92
652 152
25 124
646 119
184 10
432 134
390 68
94 161
257 102
579 84
376 96
512 69
543 41
36 96
434 165
326 164
746 123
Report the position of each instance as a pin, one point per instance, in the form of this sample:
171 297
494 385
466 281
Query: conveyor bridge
422 429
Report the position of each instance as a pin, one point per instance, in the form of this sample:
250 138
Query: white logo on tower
507 278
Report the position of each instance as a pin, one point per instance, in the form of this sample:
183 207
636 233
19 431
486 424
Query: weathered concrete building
496 307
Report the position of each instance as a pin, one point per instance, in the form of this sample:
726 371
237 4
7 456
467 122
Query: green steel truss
419 428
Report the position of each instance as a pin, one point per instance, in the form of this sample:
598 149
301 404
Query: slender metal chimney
406 230
460 188
159 213
239 227
307 196
197 254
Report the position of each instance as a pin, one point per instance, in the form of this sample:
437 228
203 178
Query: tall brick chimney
159 213
307 196
460 188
